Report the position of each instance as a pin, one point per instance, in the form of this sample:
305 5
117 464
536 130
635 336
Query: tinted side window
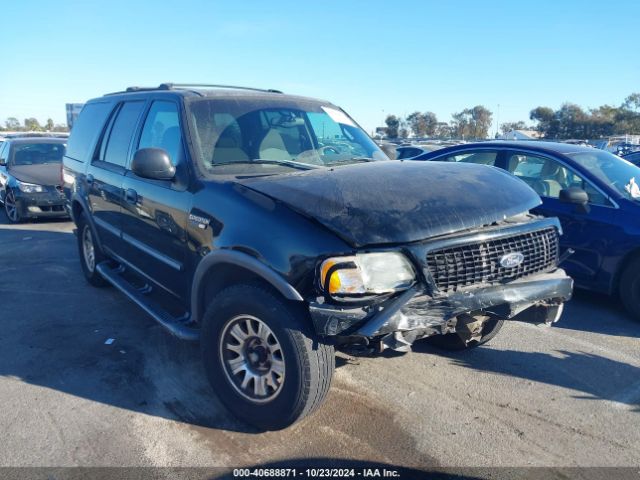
548 176
478 157
162 129
121 133
86 130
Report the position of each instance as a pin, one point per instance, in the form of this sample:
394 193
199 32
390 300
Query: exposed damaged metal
425 309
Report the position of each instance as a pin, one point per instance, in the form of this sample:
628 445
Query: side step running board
159 315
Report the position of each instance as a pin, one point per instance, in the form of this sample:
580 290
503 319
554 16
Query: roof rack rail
172 86
190 86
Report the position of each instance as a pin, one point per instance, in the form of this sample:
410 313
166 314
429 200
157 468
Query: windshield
37 153
612 170
265 136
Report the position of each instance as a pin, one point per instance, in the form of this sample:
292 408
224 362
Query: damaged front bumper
416 311
42 204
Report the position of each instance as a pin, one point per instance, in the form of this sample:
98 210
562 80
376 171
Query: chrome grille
453 268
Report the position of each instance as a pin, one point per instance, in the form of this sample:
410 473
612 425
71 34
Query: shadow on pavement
598 313
599 378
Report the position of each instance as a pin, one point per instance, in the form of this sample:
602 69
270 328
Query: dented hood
399 201
40 174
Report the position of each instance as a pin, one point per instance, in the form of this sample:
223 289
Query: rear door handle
131 196
89 179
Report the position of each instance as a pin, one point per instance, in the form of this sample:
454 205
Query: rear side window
480 157
119 137
86 130
162 129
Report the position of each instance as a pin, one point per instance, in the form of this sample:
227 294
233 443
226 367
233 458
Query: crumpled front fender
416 309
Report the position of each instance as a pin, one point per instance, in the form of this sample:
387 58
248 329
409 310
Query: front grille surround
477 263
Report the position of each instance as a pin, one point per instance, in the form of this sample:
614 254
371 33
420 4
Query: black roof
204 90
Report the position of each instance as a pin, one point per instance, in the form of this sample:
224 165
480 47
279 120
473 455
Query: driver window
162 129
4 151
547 177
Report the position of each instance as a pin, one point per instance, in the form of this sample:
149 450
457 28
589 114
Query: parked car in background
407 152
594 193
30 177
273 229
633 157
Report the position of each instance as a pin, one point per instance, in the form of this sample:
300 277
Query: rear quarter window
86 130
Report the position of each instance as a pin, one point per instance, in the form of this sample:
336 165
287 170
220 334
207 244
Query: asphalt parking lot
535 396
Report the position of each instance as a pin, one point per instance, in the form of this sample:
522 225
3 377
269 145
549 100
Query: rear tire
90 254
630 288
452 341
262 358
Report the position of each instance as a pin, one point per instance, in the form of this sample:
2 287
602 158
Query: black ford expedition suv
273 229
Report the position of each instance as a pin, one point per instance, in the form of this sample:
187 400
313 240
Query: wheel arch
79 207
622 265
222 268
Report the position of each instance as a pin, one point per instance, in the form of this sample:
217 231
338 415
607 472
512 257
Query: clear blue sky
370 57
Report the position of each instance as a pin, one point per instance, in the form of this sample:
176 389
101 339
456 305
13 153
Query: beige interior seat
272 147
554 177
228 149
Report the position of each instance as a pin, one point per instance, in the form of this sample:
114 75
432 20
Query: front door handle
131 196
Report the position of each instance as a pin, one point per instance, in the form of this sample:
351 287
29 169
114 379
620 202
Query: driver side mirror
153 163
576 196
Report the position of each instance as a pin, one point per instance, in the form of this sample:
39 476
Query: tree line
12 124
470 123
572 121
569 121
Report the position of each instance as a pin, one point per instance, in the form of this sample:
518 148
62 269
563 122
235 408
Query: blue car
596 196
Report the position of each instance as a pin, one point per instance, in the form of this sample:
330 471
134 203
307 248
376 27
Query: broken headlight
366 273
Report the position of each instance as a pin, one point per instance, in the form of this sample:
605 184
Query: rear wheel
465 339
11 207
630 288
90 254
262 358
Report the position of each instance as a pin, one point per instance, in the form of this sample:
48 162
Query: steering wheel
329 149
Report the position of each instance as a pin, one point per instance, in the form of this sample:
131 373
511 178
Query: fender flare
87 215
242 260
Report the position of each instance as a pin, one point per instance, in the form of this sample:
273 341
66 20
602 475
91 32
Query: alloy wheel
252 358
10 207
88 249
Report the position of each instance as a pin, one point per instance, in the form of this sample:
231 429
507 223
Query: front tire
11 207
90 254
262 358
630 288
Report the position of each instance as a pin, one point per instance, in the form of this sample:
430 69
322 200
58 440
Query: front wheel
262 358
11 207
630 288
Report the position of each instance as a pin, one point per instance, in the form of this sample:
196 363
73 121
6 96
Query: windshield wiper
352 160
262 161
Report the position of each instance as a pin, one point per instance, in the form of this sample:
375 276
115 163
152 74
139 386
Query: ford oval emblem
511 260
